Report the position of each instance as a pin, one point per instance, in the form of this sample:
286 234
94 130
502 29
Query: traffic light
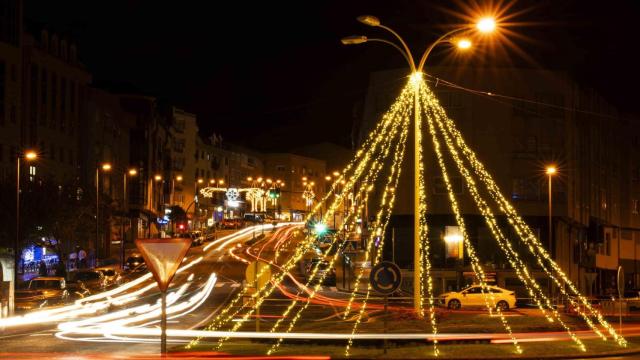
272 194
277 193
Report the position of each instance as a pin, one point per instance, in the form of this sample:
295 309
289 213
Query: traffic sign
385 277
163 257
258 274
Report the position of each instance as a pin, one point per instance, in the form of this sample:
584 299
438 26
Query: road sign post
385 278
257 274
163 257
620 294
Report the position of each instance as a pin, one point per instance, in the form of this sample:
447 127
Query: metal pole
393 245
550 231
17 243
163 325
126 213
97 209
386 313
255 285
417 261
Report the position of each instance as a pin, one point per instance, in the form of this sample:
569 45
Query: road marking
235 285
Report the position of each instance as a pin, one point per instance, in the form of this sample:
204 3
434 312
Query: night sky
273 75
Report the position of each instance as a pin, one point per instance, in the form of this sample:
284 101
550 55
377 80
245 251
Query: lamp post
551 170
28 156
106 167
125 207
484 25
178 178
196 214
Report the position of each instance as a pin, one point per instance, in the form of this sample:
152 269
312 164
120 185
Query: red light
181 226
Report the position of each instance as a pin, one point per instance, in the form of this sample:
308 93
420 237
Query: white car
473 297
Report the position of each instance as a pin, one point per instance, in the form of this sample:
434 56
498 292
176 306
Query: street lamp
28 155
550 171
178 178
125 206
484 25
106 167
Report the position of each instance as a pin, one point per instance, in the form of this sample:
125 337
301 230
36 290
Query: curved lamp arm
404 45
404 54
440 40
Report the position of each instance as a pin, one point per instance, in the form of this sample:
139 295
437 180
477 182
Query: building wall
291 168
184 131
54 92
594 148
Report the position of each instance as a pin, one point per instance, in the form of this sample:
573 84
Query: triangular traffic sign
163 257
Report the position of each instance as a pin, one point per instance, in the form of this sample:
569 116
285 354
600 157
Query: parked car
92 279
473 296
42 291
231 223
196 238
577 306
111 275
135 263
324 272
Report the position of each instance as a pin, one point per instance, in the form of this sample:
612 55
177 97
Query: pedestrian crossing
229 284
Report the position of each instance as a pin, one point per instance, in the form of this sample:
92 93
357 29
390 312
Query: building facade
594 193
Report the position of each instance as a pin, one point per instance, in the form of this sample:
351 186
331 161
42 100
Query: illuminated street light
157 177
133 172
328 178
551 170
336 173
369 20
249 178
221 182
200 181
354 39
212 181
486 25
179 178
463 43
106 166
29 155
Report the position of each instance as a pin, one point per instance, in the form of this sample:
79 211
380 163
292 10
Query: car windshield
108 272
135 259
88 275
45 284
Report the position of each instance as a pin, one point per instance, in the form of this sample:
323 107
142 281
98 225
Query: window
440 187
2 91
32 172
34 94
43 96
280 168
635 206
63 103
525 189
72 97
61 155
54 94
607 244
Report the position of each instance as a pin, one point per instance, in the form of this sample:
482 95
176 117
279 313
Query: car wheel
502 305
454 304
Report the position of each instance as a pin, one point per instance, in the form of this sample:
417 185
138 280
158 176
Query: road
209 276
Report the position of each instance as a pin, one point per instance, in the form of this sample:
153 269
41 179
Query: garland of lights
365 189
362 158
358 179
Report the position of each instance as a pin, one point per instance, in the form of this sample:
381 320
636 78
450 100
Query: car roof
48 278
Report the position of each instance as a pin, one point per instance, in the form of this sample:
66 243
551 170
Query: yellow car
472 296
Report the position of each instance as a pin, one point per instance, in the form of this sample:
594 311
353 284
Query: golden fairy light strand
488 296
389 187
534 245
260 296
366 153
423 229
366 188
383 219
512 256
